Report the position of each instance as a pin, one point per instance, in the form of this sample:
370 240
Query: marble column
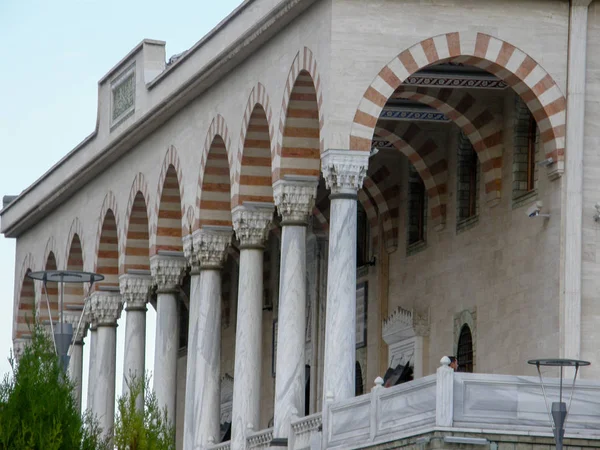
344 171
135 289
166 270
206 251
573 216
251 225
106 308
92 364
76 351
295 201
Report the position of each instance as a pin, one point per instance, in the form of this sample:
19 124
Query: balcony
445 404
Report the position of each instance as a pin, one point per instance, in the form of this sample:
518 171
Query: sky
52 57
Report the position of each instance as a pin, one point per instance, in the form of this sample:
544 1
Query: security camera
534 210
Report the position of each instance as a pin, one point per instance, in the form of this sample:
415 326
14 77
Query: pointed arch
381 188
517 69
135 248
74 293
75 230
481 127
51 290
107 243
167 228
253 180
214 198
429 161
26 300
300 138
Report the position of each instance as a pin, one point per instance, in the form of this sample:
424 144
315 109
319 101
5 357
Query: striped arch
300 138
483 129
74 292
188 221
135 248
529 80
107 243
388 214
51 290
75 230
253 180
430 162
26 300
214 198
167 227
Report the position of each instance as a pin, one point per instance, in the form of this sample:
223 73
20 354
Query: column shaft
166 348
340 337
134 362
104 377
289 383
204 361
76 371
248 347
92 369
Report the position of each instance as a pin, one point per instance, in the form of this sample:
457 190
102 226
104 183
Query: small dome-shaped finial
445 361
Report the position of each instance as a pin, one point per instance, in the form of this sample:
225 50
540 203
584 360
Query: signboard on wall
361 314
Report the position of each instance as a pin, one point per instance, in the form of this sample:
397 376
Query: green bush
37 410
145 428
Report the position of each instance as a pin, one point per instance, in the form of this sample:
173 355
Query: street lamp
559 411
63 334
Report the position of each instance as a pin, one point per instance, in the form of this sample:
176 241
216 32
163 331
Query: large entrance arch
517 69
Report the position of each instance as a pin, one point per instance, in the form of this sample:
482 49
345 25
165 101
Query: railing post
373 413
444 399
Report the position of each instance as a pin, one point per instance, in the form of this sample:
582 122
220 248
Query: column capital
251 224
167 269
72 317
105 308
344 170
295 200
135 289
207 247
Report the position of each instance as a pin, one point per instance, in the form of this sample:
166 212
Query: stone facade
288 115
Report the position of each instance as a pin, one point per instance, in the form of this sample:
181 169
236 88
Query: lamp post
558 412
63 333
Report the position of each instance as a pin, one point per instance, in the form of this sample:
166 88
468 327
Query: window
362 237
359 388
465 350
526 136
467 181
417 207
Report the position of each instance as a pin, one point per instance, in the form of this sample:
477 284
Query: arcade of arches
287 273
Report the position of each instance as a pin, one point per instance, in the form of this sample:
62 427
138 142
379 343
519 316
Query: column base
279 443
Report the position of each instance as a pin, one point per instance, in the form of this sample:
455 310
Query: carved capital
167 270
344 170
105 307
135 289
73 318
251 224
208 249
295 200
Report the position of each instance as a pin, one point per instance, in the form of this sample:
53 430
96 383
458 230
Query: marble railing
221 446
260 440
306 432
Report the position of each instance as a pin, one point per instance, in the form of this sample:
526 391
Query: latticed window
467 180
465 350
417 207
526 136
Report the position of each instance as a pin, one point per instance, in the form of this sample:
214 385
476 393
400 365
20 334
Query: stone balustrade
445 402
260 440
221 446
